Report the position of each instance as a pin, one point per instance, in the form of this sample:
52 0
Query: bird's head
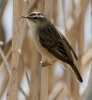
35 19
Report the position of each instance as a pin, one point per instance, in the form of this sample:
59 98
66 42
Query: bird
50 42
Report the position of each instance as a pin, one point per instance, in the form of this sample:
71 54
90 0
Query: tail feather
74 68
77 73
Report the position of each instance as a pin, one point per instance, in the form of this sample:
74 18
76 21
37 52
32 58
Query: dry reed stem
88 95
3 4
16 44
45 70
13 82
62 95
4 83
33 4
64 14
4 69
68 77
22 31
86 57
56 90
75 91
23 92
28 80
5 61
82 95
8 70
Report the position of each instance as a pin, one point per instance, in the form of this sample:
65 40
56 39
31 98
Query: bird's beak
23 16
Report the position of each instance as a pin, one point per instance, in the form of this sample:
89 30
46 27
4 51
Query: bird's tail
77 73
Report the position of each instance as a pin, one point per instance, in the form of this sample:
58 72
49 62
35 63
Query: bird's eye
34 17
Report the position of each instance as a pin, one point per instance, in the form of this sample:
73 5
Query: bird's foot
44 64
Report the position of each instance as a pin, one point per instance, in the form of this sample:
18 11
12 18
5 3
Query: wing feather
68 44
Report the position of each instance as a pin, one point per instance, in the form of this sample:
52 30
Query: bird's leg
44 64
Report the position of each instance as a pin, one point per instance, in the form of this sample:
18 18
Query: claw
44 64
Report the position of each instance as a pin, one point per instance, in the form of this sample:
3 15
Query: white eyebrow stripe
39 15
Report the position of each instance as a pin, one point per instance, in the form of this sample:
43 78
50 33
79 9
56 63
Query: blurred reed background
73 18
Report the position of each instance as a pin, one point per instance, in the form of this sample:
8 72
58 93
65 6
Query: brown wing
68 44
